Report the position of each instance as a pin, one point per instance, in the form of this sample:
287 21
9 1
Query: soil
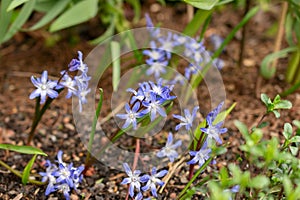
26 54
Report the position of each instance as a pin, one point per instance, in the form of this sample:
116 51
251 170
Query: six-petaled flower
153 180
44 87
169 150
187 120
213 131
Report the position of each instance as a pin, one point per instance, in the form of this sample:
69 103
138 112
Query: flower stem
194 178
92 134
38 116
19 174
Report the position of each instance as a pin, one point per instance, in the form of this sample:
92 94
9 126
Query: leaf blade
22 149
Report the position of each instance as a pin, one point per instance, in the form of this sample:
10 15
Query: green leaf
202 4
288 131
15 3
221 117
294 150
27 169
80 12
20 20
287 184
22 149
283 104
276 113
256 135
5 18
296 123
295 139
264 98
44 6
266 70
259 182
242 128
115 56
51 14
195 24
292 67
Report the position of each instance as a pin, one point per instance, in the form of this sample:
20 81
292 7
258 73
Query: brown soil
26 54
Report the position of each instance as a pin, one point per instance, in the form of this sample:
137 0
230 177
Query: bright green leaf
202 4
22 149
195 24
15 3
221 117
27 169
259 182
79 13
283 104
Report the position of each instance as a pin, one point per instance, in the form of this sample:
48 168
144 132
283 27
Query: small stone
173 195
183 179
70 126
155 8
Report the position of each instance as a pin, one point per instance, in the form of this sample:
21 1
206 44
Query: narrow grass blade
26 172
115 56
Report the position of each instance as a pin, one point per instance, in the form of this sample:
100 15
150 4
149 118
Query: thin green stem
38 116
92 133
194 177
19 174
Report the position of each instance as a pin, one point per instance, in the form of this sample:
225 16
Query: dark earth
27 54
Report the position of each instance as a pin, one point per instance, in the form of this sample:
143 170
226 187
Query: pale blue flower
200 156
153 180
133 179
214 131
169 150
44 87
131 116
187 120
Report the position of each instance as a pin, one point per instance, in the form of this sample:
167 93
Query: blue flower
214 131
187 121
44 87
63 178
235 189
65 188
133 179
153 107
200 156
216 41
153 180
156 67
190 70
77 64
167 44
131 116
169 150
154 31
48 176
82 91
69 83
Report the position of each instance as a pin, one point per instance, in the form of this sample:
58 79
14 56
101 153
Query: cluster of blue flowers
135 181
149 98
61 176
162 46
212 132
77 86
